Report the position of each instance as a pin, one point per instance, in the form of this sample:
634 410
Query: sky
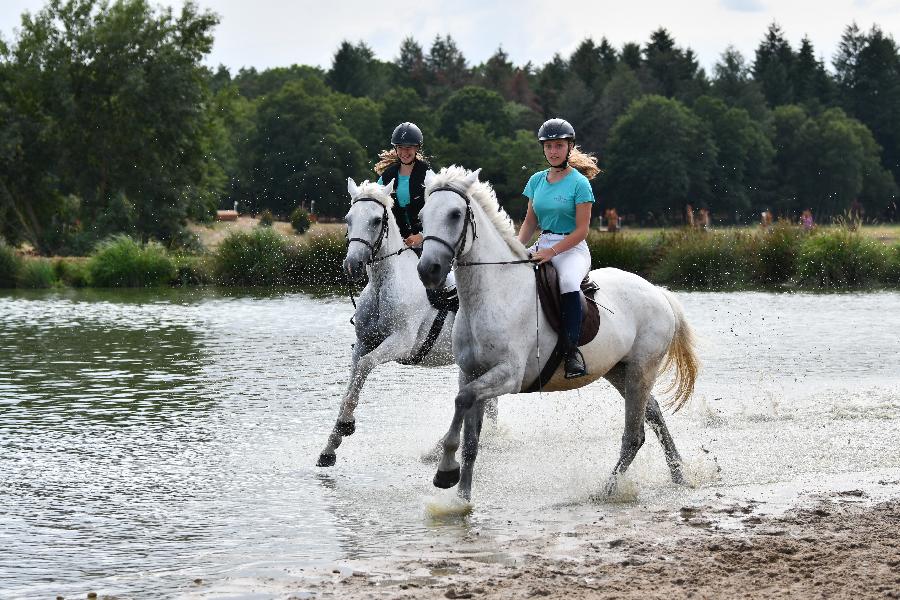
272 33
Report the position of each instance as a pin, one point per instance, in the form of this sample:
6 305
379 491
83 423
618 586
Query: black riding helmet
557 129
407 134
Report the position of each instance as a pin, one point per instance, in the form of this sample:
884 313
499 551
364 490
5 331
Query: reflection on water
149 439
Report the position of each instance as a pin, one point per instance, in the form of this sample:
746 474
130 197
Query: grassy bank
784 256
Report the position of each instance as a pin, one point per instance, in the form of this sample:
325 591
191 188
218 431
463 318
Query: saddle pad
548 292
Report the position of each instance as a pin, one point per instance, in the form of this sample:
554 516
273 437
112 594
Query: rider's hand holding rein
414 240
578 235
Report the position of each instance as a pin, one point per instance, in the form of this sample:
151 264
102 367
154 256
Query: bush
193 270
35 274
839 258
300 220
319 261
10 263
632 253
123 262
258 257
892 272
266 219
702 259
72 272
772 254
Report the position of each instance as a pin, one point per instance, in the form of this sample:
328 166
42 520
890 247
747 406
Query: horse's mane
371 189
483 193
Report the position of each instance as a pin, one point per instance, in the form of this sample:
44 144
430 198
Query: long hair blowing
584 162
388 157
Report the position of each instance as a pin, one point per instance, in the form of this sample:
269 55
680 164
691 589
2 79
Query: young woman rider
559 205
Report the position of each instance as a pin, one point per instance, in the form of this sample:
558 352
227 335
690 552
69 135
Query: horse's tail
682 356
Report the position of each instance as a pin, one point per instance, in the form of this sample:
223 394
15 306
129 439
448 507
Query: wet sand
839 545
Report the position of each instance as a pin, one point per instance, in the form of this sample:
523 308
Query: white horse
394 319
495 338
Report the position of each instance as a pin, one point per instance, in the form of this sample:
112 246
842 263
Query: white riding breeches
571 265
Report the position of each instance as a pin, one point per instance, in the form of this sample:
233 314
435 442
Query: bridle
456 249
382 235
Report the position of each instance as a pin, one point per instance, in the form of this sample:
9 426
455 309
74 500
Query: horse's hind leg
673 459
471 434
634 385
491 409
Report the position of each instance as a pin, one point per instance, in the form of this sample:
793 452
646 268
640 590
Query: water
163 443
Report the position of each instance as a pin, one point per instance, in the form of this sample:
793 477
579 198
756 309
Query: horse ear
429 177
471 178
352 188
389 188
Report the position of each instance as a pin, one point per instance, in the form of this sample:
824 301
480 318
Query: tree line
110 123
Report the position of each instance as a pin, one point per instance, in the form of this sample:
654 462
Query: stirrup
574 364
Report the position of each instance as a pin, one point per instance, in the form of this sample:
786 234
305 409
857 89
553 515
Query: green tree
659 158
744 157
122 97
773 67
356 71
301 154
733 83
812 85
475 104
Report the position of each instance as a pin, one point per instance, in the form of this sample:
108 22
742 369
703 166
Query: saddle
548 292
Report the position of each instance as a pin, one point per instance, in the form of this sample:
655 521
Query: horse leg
634 385
360 368
618 377
471 434
673 458
498 380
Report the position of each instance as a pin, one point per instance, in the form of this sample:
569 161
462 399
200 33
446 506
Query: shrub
257 257
772 254
319 261
123 262
891 274
10 263
839 258
266 219
702 259
193 270
72 272
300 220
632 253
35 273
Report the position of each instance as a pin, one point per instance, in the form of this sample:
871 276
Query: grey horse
495 339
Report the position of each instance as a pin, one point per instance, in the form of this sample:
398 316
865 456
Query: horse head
368 222
447 221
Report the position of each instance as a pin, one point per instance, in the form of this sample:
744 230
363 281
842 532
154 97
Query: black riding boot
571 316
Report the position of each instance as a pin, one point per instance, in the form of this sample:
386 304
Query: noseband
456 249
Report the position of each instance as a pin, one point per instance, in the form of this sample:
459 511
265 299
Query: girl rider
559 204
406 166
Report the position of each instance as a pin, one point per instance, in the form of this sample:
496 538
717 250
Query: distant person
704 219
559 204
806 220
765 220
689 216
612 220
405 165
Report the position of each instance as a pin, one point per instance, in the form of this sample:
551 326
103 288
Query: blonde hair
585 163
388 157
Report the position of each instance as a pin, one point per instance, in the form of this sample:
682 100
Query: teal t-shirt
401 189
554 203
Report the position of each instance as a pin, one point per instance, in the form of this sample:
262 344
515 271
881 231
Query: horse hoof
446 479
346 428
326 460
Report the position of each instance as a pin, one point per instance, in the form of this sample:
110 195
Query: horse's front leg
361 365
498 380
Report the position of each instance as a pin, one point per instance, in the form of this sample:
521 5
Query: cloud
743 5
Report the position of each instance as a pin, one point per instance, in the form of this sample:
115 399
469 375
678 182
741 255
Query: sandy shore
842 545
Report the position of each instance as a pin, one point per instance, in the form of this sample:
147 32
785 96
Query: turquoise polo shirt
554 203
401 189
